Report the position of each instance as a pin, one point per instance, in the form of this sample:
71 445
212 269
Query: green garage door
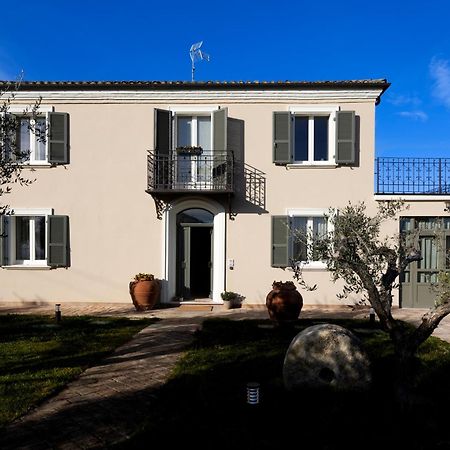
432 236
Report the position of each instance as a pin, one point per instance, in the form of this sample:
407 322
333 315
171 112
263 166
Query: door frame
186 243
218 245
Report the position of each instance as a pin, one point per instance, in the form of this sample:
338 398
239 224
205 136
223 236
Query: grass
39 357
204 402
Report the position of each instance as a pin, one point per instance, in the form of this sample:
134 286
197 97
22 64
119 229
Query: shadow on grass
204 404
108 402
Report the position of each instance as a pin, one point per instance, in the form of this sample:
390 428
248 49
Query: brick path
107 402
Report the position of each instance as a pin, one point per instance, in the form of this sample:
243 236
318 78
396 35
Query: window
293 236
33 238
311 139
319 135
185 126
193 131
41 140
29 240
304 231
191 148
31 139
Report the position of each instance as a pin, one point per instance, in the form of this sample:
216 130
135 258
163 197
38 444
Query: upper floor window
193 131
32 137
37 140
311 142
184 127
314 136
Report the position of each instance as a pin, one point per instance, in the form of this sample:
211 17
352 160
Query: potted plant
231 299
189 150
144 291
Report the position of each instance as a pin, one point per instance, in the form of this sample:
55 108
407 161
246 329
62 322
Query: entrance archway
203 225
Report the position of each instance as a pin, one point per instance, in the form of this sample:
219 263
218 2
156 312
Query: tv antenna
196 54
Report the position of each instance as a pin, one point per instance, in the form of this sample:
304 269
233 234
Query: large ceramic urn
284 302
144 293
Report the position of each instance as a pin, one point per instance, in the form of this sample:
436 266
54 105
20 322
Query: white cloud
440 73
401 100
415 115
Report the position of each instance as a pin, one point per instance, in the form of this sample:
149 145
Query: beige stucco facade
114 229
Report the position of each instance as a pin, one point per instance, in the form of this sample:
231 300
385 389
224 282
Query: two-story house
195 182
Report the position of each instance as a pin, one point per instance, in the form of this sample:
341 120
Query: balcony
172 173
413 176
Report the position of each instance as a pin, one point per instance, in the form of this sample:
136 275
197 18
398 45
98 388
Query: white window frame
11 244
194 128
311 111
192 110
43 112
310 214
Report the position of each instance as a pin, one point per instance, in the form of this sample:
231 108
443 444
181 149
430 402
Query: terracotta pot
284 302
144 294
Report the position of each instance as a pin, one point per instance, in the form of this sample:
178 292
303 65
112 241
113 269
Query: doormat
197 307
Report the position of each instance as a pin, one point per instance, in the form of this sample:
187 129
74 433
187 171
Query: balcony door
193 169
194 254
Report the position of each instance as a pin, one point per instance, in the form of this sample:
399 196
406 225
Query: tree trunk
405 375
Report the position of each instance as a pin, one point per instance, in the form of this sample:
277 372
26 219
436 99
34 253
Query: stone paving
108 402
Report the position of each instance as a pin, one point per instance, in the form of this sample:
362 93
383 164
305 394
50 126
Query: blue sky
406 42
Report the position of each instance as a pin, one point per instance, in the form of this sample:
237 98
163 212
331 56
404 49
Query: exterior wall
307 187
114 230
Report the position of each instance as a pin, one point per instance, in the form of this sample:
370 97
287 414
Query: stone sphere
326 356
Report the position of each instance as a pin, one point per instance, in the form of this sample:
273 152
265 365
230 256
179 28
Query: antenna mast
196 54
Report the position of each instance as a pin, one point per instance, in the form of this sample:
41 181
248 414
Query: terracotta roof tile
380 83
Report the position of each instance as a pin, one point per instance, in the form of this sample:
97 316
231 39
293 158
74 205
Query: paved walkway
106 403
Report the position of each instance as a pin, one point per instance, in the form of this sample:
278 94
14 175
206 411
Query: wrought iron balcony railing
420 176
211 171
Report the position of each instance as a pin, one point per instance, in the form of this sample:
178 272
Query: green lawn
204 403
38 357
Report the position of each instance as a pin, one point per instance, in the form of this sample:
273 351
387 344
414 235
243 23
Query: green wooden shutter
345 137
220 118
280 241
58 138
282 148
163 132
58 241
3 240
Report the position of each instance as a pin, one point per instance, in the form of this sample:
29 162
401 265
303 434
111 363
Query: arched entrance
195 228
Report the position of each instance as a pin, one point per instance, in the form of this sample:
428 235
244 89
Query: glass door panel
184 139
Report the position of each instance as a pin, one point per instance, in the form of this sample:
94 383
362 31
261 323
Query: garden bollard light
253 393
372 315
58 312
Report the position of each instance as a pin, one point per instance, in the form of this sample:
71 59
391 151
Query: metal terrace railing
420 176
210 171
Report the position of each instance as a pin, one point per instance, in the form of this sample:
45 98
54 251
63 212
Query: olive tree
12 153
369 264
